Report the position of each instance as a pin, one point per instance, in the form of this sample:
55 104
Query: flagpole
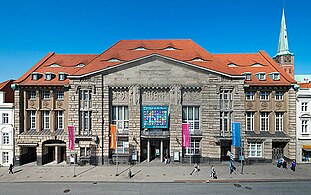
117 174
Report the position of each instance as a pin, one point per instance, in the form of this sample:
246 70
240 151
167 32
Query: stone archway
53 151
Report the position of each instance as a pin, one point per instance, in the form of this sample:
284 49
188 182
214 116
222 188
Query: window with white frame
278 95
5 157
254 149
249 121
249 95
5 118
59 95
122 146
32 95
225 122
191 115
304 106
264 121
264 95
86 99
304 126
194 148
279 121
226 99
120 118
85 122
32 119
261 76
46 94
5 138
46 119
59 119
85 151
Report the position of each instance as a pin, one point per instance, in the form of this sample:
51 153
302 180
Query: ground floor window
122 146
5 157
194 147
85 151
254 149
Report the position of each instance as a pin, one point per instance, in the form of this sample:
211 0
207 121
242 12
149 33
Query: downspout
102 119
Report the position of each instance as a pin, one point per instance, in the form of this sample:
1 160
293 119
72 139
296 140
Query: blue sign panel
155 117
236 136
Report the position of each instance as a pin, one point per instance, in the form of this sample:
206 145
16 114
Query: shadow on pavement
85 171
18 171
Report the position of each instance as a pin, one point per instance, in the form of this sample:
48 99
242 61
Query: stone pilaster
292 123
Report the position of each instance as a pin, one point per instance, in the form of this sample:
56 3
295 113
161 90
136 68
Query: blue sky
30 29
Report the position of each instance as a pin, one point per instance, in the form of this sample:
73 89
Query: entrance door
224 152
277 150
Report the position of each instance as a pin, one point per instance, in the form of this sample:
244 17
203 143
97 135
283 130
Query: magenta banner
71 137
185 135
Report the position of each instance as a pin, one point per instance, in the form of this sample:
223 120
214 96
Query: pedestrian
11 169
280 162
195 169
284 164
213 173
293 167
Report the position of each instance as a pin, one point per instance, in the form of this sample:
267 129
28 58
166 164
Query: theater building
129 104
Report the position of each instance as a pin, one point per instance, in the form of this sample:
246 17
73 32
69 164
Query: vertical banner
185 135
71 137
113 137
236 135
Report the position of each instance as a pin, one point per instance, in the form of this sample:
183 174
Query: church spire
283 42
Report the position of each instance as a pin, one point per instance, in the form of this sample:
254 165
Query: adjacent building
6 123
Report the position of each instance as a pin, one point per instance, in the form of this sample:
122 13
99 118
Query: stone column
161 150
39 154
25 112
52 113
148 150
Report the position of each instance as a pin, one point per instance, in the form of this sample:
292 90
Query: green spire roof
283 42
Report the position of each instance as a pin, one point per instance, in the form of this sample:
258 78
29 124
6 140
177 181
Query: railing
155 132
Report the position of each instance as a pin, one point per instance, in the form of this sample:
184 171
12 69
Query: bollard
130 173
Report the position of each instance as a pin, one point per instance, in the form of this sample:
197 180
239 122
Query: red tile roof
9 93
304 85
185 51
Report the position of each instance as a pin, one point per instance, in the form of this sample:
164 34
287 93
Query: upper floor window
264 121
278 121
120 118
32 94
248 76
169 48
225 122
275 76
249 95
85 122
46 94
225 99
32 119
191 115
35 76
140 48
86 99
59 119
48 76
249 121
304 106
278 95
61 76
5 118
304 126
60 95
261 76
46 119
264 95
80 65
5 138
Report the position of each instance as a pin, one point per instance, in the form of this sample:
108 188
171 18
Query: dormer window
54 65
261 76
35 76
80 65
257 65
232 65
114 60
197 60
248 76
48 76
140 49
62 76
275 76
169 48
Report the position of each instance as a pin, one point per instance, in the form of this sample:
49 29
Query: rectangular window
5 157
194 147
226 99
122 146
262 76
5 118
249 121
120 118
249 95
86 99
32 119
60 95
46 94
85 122
304 106
264 95
304 126
46 119
6 138
225 122
264 121
191 115
279 121
85 151
254 149
59 119
32 95
278 95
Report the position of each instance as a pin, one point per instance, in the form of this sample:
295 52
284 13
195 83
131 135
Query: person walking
293 167
284 164
11 169
195 169
213 173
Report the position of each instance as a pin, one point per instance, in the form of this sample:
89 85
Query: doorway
225 147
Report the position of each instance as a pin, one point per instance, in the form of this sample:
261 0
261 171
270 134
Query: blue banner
236 135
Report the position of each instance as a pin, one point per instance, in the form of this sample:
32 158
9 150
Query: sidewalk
152 173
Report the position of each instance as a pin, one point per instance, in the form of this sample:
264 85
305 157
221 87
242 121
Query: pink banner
71 137
185 135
